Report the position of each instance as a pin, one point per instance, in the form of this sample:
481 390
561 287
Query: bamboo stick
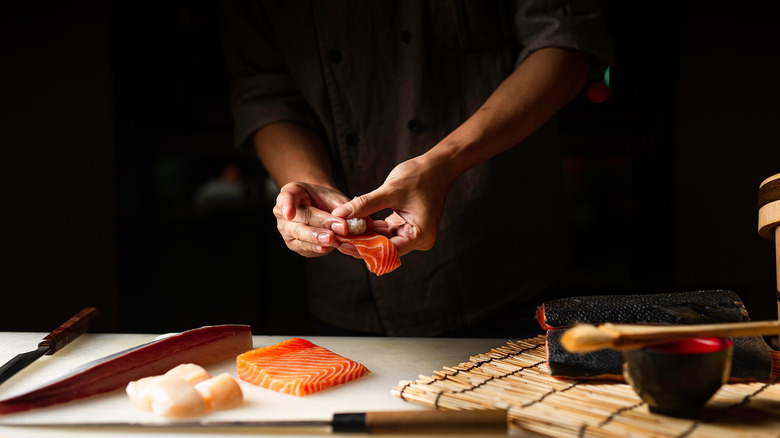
586 338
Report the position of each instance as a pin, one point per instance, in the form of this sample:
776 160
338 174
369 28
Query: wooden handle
769 221
586 338
777 268
70 330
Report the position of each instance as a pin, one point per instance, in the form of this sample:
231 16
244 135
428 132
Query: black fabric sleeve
263 91
576 24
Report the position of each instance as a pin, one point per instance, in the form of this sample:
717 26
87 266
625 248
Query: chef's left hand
415 190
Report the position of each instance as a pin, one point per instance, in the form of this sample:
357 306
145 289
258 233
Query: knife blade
52 343
484 421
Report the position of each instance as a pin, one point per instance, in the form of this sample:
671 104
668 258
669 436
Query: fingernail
344 210
323 237
339 228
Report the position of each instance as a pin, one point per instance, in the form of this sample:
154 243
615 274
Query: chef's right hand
303 218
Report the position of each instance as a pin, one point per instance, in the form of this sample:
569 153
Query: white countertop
389 359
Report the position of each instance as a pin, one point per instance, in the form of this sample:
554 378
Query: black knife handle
70 330
421 421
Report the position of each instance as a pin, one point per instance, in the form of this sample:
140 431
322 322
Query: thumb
363 205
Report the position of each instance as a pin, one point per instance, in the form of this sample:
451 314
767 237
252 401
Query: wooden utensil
585 338
769 221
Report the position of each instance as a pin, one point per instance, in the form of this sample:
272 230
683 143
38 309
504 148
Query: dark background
114 117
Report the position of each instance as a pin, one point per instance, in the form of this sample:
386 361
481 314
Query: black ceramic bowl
677 378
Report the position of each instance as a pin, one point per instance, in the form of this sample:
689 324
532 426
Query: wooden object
769 221
70 330
515 377
585 338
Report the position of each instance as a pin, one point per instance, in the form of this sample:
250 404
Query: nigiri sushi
379 253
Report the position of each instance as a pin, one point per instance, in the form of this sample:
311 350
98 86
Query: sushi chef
434 119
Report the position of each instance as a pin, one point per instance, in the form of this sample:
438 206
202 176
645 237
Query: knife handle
70 330
484 421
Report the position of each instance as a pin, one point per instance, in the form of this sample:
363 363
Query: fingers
304 226
404 226
395 221
363 206
404 236
290 197
406 239
304 239
350 250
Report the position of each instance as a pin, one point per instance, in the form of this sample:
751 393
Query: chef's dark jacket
384 81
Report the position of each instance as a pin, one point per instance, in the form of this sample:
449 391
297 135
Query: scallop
221 392
172 396
190 372
139 397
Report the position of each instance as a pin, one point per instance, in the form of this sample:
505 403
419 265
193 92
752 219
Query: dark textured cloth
383 82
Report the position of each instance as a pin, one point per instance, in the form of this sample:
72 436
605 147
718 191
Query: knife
52 343
484 421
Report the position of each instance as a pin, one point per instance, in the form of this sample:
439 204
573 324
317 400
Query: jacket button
414 125
406 37
334 56
353 139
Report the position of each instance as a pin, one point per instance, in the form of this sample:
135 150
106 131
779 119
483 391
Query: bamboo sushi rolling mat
515 377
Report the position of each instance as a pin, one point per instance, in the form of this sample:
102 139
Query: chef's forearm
547 80
293 153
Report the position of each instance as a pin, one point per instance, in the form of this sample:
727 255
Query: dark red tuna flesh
200 346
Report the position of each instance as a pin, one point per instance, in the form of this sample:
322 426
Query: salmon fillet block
297 366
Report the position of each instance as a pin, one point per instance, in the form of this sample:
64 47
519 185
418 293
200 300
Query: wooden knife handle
70 330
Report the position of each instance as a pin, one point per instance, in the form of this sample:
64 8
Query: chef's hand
303 220
415 190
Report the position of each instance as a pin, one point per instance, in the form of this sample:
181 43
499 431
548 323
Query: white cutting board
389 359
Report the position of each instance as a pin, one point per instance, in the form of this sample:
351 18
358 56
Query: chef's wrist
447 161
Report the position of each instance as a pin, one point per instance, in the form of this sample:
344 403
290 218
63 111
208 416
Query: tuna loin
201 346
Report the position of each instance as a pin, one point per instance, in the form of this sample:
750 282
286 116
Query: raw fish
172 396
297 366
139 397
202 346
380 255
190 372
183 392
221 392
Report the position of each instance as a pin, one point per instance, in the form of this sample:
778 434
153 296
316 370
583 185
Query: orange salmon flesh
380 255
297 366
